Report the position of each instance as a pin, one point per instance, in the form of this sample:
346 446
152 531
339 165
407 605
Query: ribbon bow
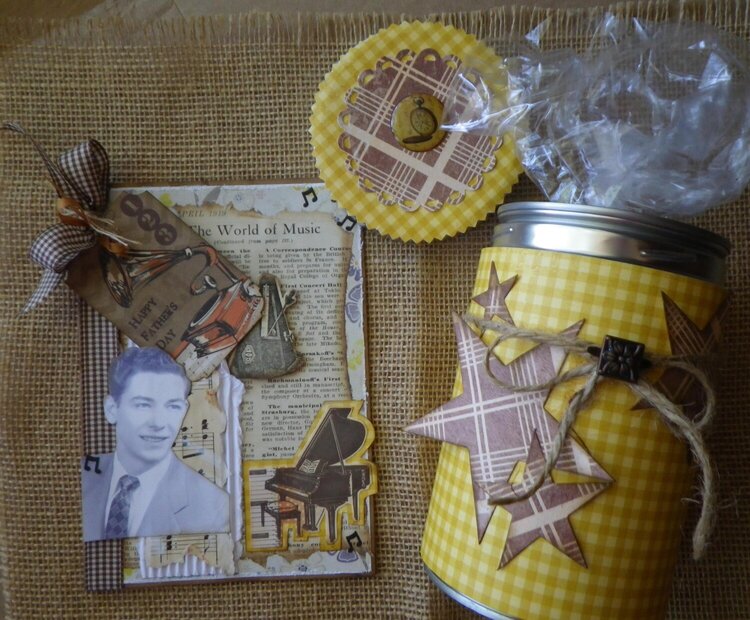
81 179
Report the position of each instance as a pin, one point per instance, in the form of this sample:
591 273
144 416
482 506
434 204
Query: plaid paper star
686 338
497 424
545 514
493 299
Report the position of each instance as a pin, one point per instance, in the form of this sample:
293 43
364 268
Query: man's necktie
119 511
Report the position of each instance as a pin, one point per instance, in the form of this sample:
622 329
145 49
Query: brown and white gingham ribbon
682 426
81 179
99 346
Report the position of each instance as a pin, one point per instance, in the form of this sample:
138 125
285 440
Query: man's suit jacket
184 503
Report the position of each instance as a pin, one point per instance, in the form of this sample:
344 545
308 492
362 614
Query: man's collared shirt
149 481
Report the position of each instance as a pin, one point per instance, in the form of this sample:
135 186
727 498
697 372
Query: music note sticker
95 461
348 223
309 192
352 537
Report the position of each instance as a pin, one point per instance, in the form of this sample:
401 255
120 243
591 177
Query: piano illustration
321 476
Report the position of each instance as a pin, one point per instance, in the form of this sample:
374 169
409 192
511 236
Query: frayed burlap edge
349 28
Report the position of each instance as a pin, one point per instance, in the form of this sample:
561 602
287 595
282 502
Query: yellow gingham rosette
419 224
630 533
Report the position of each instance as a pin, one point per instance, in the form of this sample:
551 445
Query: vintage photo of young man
143 489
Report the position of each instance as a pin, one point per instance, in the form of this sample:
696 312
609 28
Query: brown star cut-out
497 424
686 338
493 299
545 514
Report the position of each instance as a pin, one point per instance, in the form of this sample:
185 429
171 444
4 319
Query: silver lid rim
609 219
613 234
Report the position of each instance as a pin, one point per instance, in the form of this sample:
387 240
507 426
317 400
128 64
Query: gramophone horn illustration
220 322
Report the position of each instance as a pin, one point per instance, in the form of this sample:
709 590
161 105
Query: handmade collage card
275 441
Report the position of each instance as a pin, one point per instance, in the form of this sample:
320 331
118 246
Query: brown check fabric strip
99 345
81 173
87 173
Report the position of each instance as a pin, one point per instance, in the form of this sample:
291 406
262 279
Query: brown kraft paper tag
170 289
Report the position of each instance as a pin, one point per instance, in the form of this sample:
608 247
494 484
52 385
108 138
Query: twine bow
81 179
594 370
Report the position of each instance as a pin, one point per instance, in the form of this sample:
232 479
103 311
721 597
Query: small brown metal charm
269 351
620 359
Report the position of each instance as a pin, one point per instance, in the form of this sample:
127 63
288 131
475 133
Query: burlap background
212 100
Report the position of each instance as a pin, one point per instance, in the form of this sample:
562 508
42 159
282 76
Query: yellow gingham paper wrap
420 225
630 533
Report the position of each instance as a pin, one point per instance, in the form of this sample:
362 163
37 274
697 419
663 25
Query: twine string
684 428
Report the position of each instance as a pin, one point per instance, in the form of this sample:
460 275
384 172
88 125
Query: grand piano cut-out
328 473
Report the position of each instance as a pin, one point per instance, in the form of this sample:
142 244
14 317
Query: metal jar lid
613 234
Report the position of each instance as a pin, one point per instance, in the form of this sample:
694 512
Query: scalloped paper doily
408 195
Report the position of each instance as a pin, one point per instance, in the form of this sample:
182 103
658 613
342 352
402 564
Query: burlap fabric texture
212 100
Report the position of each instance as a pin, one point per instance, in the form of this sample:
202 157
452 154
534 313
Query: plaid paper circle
401 177
419 225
